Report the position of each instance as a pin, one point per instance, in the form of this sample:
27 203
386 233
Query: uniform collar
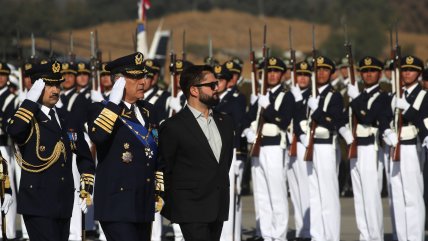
4 89
370 89
322 88
410 90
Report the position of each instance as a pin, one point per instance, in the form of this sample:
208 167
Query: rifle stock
3 174
398 93
292 151
352 151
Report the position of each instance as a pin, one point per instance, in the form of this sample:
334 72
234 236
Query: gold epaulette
24 114
106 120
159 181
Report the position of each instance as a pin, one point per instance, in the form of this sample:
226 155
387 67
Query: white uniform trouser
367 199
407 194
254 165
298 181
324 194
18 171
388 166
76 216
228 228
157 228
6 152
271 193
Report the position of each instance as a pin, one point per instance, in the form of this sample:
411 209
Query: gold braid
49 161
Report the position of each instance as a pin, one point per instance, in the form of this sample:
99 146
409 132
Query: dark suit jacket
124 187
196 185
49 193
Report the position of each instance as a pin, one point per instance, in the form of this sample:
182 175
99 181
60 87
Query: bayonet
184 45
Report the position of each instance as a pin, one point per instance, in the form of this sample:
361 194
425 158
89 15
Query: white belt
270 129
408 132
365 130
320 132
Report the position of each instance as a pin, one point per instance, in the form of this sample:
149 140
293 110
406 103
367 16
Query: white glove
253 99
346 134
250 134
83 205
117 91
264 101
6 203
402 103
297 93
96 96
394 103
59 104
353 91
22 96
347 81
390 137
238 167
313 103
425 142
174 103
36 90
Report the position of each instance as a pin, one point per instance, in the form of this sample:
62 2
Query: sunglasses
212 85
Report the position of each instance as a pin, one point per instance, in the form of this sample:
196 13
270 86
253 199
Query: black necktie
406 93
53 118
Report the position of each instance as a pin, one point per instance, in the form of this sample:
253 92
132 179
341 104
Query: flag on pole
143 6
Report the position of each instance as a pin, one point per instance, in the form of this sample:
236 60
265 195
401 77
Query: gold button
121 188
62 178
31 186
148 179
148 164
62 165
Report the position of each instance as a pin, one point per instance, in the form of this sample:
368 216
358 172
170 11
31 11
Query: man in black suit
196 146
46 143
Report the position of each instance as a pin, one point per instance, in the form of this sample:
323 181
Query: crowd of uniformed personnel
64 141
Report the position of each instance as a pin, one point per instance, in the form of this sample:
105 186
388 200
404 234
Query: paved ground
349 230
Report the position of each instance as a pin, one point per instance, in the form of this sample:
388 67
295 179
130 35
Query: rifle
353 122
254 80
21 62
183 53
94 63
33 56
392 57
210 52
71 54
255 148
3 177
398 115
293 147
173 72
310 149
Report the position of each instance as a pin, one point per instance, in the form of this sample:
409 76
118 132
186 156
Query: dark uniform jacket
331 117
301 113
279 116
7 109
233 104
49 193
125 175
419 118
158 99
196 185
378 115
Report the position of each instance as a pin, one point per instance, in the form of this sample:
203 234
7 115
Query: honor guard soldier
67 96
152 93
229 105
424 82
406 172
269 178
327 112
298 177
125 134
46 191
371 109
386 80
7 105
106 85
176 103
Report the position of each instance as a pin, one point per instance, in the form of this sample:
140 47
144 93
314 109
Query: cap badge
44 61
56 67
410 60
229 65
81 66
272 61
65 66
367 61
303 66
138 59
28 66
179 64
320 60
149 63
217 69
